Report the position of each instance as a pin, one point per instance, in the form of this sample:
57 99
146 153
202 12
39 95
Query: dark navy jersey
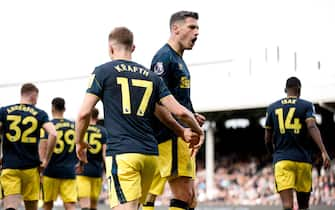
21 124
287 119
63 159
168 64
128 92
96 136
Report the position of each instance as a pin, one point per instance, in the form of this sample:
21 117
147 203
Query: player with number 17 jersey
129 92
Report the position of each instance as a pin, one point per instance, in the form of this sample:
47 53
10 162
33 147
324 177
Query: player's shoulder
65 122
275 104
68 120
163 54
304 101
104 66
41 111
101 128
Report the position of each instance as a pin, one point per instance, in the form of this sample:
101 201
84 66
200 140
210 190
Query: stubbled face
187 32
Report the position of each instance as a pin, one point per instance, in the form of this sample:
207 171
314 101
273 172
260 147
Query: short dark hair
293 82
95 113
28 88
58 103
122 35
182 15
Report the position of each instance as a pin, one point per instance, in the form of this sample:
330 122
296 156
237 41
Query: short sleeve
43 134
310 111
44 118
162 89
96 83
161 66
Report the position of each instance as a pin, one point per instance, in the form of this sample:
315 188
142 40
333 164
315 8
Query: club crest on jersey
159 68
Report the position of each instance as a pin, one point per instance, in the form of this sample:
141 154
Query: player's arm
50 144
314 132
268 135
200 118
169 121
43 145
104 148
82 122
184 115
181 113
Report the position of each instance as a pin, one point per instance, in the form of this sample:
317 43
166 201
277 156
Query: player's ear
110 51
175 28
133 48
285 90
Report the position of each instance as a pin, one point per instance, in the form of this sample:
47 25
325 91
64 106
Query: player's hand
326 160
81 149
190 137
42 166
195 148
200 118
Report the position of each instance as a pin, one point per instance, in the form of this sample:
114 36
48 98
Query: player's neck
57 115
26 101
292 96
175 46
122 55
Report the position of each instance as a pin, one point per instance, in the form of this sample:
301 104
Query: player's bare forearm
82 123
181 113
51 142
83 118
50 147
268 140
314 132
168 120
190 120
200 118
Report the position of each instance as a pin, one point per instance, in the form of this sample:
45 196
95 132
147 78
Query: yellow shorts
129 177
25 182
158 183
66 188
175 159
293 175
89 187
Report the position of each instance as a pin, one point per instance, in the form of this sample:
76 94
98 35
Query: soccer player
89 182
176 165
288 123
131 95
21 124
59 176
